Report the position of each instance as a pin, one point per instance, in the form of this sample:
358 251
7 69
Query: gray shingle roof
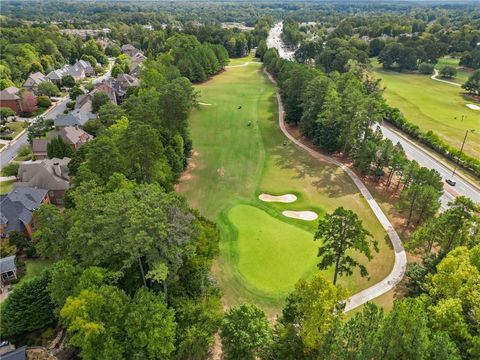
10 93
50 174
7 264
16 207
17 354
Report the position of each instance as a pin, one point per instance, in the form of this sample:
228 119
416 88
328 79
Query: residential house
123 82
129 49
55 76
84 102
72 135
34 80
78 71
135 66
86 66
18 100
77 117
17 354
50 174
8 271
39 148
17 207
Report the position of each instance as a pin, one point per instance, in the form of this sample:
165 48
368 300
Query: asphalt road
274 40
412 149
416 152
11 149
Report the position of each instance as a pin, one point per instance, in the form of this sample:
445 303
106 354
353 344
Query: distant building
19 100
49 174
17 208
34 80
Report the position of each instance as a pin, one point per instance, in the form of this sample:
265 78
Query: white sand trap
287 198
473 106
204 104
302 215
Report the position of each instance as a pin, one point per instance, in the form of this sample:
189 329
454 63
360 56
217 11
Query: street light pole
461 150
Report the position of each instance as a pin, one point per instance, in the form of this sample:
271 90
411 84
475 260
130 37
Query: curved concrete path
400 265
434 77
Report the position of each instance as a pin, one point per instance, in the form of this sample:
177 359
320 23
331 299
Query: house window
10 273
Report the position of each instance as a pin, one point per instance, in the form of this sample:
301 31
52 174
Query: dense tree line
338 112
140 266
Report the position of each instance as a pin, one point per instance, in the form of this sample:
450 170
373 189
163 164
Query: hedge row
431 140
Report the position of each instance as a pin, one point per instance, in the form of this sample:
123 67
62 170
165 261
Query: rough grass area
263 253
462 74
433 105
6 186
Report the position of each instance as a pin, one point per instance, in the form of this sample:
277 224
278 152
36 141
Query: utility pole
461 150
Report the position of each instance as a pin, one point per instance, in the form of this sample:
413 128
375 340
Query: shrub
426 68
44 101
71 105
10 169
448 72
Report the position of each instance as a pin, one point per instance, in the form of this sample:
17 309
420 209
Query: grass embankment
433 105
263 253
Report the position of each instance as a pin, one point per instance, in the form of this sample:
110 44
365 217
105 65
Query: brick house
19 100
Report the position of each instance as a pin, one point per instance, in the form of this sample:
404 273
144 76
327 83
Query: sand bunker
473 106
204 104
287 198
302 215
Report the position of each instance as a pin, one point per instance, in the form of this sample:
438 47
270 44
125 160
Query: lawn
17 127
263 253
6 186
433 105
34 267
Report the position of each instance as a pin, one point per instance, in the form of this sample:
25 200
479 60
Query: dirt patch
187 174
221 172
301 215
287 198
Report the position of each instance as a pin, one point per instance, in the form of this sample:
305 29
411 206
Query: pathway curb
400 265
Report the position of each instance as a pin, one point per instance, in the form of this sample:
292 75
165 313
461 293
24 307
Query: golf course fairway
240 153
433 105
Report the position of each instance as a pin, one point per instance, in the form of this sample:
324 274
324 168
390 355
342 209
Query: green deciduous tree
312 309
68 81
98 100
339 232
48 89
245 331
150 327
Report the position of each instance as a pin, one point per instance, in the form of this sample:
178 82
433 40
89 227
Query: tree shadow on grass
326 178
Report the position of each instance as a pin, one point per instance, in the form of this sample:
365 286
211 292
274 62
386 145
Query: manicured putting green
272 254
